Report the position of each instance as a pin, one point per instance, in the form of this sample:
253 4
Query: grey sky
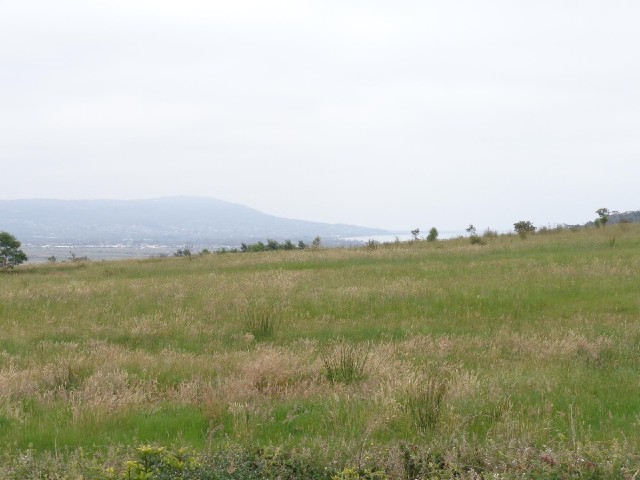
388 114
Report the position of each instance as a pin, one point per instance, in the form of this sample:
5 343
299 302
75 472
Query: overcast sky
396 114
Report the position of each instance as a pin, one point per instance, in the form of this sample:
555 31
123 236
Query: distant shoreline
41 253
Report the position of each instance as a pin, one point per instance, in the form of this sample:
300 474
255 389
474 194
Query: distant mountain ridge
166 219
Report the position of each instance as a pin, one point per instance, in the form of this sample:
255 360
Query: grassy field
409 360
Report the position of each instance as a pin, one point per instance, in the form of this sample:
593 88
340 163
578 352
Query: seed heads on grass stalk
345 362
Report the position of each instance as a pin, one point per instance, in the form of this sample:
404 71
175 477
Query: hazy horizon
459 230
398 116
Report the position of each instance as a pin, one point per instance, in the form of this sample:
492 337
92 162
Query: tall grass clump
345 362
423 402
489 233
260 319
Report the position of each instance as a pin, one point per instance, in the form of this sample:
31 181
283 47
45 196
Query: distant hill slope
170 219
617 217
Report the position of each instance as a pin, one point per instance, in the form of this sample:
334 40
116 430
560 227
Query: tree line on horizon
11 254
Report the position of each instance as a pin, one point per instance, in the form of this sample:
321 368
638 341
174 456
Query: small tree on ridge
524 227
603 217
10 253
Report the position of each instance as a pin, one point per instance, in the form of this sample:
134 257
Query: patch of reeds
260 319
345 362
423 402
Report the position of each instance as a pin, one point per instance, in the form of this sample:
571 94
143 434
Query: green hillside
408 360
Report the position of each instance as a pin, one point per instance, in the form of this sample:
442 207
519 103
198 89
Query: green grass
537 341
55 427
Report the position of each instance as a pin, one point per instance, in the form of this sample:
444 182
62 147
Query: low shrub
523 228
160 463
476 240
350 473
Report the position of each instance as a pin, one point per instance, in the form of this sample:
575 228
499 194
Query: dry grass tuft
272 372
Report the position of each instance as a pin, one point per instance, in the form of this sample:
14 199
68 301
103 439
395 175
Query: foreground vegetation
509 357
